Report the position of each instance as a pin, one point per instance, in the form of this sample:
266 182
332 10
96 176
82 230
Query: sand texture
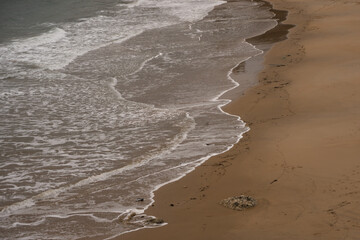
301 159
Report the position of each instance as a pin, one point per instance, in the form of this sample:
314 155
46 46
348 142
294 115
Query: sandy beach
300 160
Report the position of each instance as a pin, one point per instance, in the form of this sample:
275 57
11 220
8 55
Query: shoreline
289 161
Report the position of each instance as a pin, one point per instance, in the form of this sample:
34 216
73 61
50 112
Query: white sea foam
25 45
62 44
90 215
178 139
112 86
142 65
185 10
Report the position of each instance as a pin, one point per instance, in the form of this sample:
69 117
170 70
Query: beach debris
239 203
171 205
135 219
277 65
126 217
130 216
274 181
155 221
139 199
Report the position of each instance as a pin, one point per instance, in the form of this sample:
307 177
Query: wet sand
301 158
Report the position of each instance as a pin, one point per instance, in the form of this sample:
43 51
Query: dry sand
301 159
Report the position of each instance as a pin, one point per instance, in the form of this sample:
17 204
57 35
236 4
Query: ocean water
103 102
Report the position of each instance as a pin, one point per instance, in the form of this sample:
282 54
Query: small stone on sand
155 221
